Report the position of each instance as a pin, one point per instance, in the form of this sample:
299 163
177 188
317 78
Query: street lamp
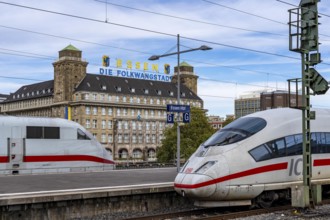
156 57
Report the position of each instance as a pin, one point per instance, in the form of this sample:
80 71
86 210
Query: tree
192 135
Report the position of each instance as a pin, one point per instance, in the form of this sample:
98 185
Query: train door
16 150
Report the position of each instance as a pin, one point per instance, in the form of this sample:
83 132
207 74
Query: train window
293 144
261 153
38 132
81 135
51 132
277 147
236 131
34 132
320 142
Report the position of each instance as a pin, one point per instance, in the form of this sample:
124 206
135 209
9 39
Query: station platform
87 195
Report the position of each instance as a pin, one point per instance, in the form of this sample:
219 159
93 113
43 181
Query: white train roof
290 115
6 120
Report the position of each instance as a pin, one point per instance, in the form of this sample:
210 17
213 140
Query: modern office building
263 100
127 115
247 104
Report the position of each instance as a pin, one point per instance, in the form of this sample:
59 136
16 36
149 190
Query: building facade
263 100
279 99
247 104
127 116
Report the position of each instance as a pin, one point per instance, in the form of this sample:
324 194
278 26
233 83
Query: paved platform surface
74 181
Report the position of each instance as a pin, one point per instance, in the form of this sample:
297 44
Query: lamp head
154 57
204 47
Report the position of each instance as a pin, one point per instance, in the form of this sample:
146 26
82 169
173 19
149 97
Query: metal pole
307 165
178 115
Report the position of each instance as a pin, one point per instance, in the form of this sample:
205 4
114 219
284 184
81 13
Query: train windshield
236 131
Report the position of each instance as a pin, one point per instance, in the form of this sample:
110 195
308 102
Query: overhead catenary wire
152 31
189 19
147 30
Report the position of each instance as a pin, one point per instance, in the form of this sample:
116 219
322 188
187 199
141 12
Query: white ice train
256 159
30 145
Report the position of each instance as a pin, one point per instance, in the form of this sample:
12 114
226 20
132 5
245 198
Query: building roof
105 84
32 91
71 47
184 63
128 86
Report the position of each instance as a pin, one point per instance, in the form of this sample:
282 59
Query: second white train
257 159
30 145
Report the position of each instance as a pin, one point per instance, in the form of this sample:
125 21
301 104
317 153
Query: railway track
225 213
214 213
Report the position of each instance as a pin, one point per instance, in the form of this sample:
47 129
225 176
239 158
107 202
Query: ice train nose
194 185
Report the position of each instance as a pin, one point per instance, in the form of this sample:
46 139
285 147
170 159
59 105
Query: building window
133 125
102 97
147 138
153 125
147 126
146 113
140 139
145 100
103 138
132 112
139 126
94 123
134 138
124 98
151 101
160 126
94 97
153 139
119 124
138 100
88 110
158 102
152 113
120 138
103 124
125 111
131 99
109 111
103 111
109 98
109 124
126 125
117 98
94 110
118 111
110 138
137 153
88 123
126 138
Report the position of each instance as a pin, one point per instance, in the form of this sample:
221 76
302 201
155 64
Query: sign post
185 110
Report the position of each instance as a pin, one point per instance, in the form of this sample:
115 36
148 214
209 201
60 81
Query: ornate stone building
128 116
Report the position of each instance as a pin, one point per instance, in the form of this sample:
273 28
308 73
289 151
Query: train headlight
205 167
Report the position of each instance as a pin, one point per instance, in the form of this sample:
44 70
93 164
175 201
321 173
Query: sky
249 41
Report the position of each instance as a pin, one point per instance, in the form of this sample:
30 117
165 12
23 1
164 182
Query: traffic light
309 25
317 83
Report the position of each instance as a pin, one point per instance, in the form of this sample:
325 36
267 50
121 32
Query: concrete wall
113 204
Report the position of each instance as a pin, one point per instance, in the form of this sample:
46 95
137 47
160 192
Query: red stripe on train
258 170
321 162
62 158
4 159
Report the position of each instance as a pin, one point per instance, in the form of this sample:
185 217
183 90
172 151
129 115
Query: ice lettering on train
294 167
